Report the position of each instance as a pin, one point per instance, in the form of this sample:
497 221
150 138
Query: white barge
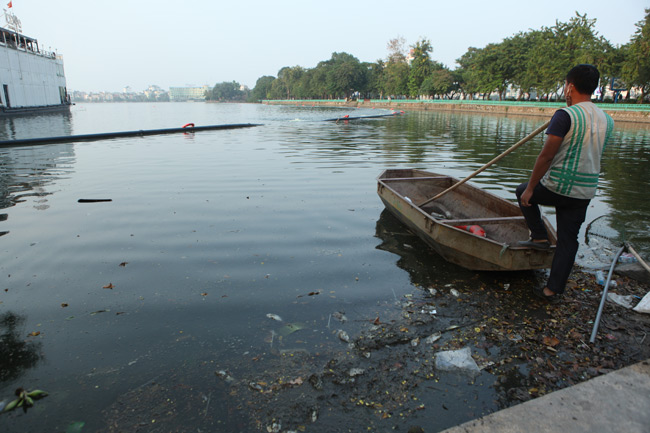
32 79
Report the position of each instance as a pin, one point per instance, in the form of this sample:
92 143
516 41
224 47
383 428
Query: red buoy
475 230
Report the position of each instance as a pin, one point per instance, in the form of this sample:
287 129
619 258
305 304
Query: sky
108 45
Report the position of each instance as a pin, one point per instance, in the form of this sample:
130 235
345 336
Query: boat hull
27 111
402 190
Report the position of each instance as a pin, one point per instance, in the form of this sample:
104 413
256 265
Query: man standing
565 174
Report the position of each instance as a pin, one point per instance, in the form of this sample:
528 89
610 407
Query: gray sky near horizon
107 45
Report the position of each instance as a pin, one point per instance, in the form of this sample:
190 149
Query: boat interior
466 205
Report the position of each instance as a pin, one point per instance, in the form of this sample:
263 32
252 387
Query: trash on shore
457 360
644 305
432 338
623 301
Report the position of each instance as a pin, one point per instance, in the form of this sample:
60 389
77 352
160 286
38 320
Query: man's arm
542 164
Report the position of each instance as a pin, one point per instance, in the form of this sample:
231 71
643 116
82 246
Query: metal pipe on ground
122 134
604 298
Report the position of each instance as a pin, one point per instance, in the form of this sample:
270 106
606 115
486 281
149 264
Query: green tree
557 49
345 75
226 91
517 51
262 89
376 73
421 67
288 78
469 71
636 67
438 83
396 79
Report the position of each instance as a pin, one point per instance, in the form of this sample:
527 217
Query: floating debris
343 336
289 329
255 386
274 317
340 316
25 399
316 381
356 372
223 374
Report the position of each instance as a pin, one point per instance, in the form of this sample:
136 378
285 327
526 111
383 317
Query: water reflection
424 266
32 126
29 171
18 354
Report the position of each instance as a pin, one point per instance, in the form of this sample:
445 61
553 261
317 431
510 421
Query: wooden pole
497 159
638 257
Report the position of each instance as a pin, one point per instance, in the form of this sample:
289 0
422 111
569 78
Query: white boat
32 79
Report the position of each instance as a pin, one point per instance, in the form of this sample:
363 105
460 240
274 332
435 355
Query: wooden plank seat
471 221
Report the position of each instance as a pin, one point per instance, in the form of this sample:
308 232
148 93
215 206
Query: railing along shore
619 112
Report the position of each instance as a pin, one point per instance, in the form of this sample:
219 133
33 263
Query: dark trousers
570 213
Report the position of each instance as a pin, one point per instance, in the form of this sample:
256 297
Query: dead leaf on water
289 329
34 334
64 304
123 264
108 286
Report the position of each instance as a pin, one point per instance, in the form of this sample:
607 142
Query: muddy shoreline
379 374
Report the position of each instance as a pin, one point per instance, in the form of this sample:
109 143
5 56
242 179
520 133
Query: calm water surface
207 233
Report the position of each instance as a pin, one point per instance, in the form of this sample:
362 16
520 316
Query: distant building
188 93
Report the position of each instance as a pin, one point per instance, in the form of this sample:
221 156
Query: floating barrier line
109 135
362 117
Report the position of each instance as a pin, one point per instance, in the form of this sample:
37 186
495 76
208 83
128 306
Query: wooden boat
404 190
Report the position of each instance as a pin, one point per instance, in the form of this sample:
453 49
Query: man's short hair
584 78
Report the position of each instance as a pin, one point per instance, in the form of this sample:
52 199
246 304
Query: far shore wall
520 110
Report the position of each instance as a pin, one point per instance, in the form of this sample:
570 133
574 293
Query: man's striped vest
576 166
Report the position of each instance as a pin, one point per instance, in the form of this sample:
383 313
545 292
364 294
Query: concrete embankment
619 115
616 402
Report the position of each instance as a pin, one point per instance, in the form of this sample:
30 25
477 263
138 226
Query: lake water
207 233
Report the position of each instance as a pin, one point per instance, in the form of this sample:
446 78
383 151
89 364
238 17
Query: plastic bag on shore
457 360
644 305
623 301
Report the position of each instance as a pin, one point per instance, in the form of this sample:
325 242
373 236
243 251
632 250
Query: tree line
533 62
